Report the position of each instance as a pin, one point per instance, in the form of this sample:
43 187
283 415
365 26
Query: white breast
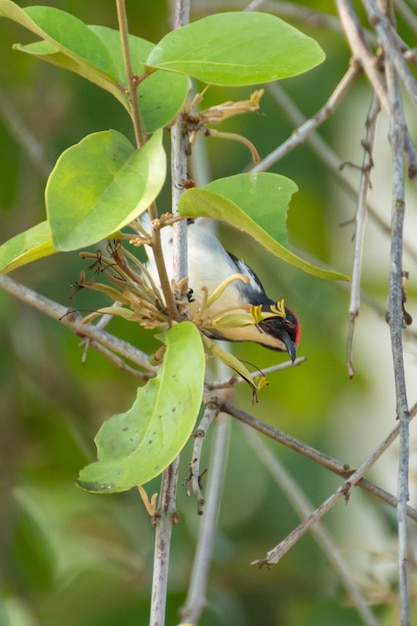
208 266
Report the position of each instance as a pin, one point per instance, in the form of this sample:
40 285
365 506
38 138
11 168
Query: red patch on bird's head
293 319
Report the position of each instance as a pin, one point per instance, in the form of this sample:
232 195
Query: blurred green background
74 559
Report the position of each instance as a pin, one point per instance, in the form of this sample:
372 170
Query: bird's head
280 333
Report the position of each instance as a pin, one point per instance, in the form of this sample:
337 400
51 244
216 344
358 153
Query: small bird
209 264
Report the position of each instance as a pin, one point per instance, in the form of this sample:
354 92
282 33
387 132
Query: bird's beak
290 345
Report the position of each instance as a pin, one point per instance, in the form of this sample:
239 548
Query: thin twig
196 596
74 322
233 381
303 507
178 175
274 555
300 135
392 46
326 461
140 140
361 50
395 320
194 478
132 85
361 214
333 162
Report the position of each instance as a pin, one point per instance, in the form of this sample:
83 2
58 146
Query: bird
209 264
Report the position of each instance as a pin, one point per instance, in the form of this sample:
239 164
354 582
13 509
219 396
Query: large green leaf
263 196
239 48
161 95
100 185
138 445
202 203
26 247
69 36
95 53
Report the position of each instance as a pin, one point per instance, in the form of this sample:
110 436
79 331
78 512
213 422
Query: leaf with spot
136 446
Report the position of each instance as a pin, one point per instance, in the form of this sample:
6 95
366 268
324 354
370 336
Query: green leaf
100 185
46 51
85 52
202 203
239 48
263 196
71 36
26 247
95 53
161 95
138 445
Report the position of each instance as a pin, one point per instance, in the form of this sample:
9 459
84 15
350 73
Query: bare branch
196 597
274 555
300 135
166 517
74 322
392 45
361 213
341 469
333 162
398 129
194 478
303 507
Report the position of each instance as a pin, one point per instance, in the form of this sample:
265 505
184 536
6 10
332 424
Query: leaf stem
132 84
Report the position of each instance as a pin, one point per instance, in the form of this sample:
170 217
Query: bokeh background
74 559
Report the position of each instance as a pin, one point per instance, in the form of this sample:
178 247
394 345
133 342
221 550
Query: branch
167 515
165 518
398 129
333 161
132 85
274 555
300 135
196 597
392 45
409 17
74 322
361 213
194 479
361 50
328 462
233 381
303 507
